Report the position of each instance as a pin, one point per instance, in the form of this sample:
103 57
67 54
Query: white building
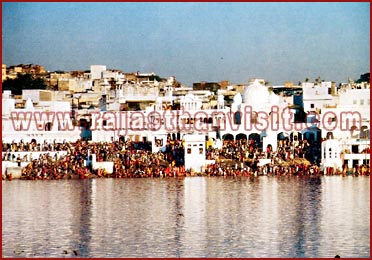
346 126
96 71
194 152
315 97
347 153
75 84
350 116
117 76
49 121
258 112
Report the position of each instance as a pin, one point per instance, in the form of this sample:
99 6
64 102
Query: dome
189 97
238 99
220 98
274 99
29 106
256 95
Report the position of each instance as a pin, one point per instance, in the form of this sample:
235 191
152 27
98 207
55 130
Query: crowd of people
243 149
133 160
130 160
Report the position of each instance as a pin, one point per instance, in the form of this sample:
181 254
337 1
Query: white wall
194 152
316 95
96 71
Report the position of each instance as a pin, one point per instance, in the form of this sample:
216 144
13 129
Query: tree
23 81
363 78
156 77
318 80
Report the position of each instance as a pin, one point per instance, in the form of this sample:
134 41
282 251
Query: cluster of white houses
338 117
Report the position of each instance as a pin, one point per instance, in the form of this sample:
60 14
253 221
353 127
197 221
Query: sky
194 42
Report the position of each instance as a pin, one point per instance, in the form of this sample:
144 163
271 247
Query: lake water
187 217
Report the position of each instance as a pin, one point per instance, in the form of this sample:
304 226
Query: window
188 150
329 135
48 126
363 132
158 142
346 163
362 102
237 118
311 105
354 102
254 118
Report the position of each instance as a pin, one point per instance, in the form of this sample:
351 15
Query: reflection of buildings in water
270 207
300 220
308 218
85 205
344 216
195 218
179 211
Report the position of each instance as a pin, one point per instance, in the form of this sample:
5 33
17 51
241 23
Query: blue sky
193 41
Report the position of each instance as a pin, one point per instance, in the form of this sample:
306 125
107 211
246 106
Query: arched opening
293 136
48 126
364 132
255 140
283 138
353 131
241 137
226 137
309 137
254 118
269 149
237 118
330 135
84 123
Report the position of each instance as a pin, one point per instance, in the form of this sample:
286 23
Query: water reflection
187 217
86 209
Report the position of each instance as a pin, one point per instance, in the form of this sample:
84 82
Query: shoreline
8 177
124 159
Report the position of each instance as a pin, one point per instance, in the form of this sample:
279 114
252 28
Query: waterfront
188 217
